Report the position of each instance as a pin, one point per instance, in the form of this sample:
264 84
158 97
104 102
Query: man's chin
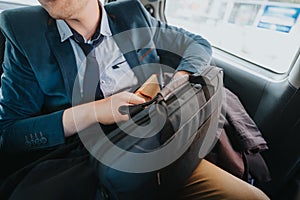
58 16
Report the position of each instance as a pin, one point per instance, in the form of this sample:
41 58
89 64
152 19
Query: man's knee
210 182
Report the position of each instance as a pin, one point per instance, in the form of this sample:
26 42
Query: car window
263 32
16 3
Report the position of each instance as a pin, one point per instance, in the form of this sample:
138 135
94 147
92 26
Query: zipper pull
158 178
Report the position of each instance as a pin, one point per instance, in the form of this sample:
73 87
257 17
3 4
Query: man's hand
107 110
178 74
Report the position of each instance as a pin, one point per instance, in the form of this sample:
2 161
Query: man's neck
87 20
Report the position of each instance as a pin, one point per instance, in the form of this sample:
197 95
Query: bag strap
205 78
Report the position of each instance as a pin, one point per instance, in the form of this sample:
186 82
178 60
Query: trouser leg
211 182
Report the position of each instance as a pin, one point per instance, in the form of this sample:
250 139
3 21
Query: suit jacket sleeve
23 127
178 48
155 41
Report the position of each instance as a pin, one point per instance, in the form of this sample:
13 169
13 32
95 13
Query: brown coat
240 143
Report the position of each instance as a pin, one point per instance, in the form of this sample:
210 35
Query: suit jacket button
38 141
33 142
44 140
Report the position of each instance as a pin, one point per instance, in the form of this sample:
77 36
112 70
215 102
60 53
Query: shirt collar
104 28
65 31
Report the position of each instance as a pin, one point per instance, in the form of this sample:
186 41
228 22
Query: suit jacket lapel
65 57
123 40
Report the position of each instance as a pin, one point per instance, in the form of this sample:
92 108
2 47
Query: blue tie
91 90
91 86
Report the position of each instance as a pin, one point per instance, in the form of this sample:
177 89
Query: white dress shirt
114 72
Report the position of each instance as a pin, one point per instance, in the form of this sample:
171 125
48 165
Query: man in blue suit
49 52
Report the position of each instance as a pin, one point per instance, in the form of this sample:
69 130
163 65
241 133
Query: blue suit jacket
40 70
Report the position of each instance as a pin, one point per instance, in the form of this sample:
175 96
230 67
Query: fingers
135 99
130 98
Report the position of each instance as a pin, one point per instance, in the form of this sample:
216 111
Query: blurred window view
264 32
10 4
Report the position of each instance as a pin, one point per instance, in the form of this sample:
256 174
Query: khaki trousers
68 169
211 182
